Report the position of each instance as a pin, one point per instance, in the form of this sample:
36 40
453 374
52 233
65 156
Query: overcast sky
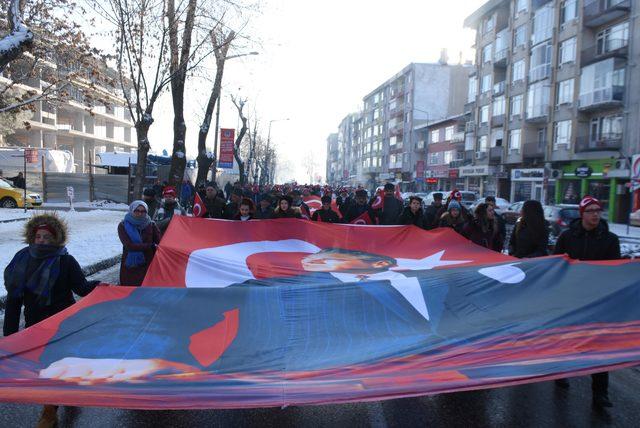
317 60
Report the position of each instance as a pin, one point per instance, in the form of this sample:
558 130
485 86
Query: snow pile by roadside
93 237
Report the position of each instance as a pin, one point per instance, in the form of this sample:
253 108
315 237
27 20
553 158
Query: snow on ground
95 204
93 236
621 230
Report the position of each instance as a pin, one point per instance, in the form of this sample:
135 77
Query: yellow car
13 197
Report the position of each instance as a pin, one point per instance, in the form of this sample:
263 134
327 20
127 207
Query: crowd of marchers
42 277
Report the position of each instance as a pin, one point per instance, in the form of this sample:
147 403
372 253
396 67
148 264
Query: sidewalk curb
87 271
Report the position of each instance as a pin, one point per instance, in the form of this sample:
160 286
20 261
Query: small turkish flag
199 209
364 218
378 202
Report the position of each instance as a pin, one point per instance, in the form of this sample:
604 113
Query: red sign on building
31 155
420 171
227 137
453 173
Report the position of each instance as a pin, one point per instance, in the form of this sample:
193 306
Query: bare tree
240 103
179 59
221 42
20 37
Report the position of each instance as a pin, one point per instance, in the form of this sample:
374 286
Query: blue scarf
35 269
134 227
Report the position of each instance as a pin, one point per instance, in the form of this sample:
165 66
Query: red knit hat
169 191
586 201
47 227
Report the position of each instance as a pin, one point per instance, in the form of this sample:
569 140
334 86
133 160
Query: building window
514 139
568 11
516 106
435 136
448 133
521 6
482 143
605 128
486 53
520 36
473 89
542 24
565 92
538 100
601 82
498 106
562 134
612 38
488 24
486 83
518 71
484 114
540 64
449 156
567 51
434 158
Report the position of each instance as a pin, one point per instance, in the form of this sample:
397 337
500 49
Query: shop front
595 178
478 178
528 183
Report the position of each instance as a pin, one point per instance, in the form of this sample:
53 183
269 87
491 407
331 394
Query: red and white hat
169 191
586 201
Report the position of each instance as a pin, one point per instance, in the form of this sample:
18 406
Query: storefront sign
420 171
474 171
453 173
584 171
530 174
227 137
31 155
432 180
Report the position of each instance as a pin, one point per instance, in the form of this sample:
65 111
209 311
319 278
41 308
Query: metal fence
86 187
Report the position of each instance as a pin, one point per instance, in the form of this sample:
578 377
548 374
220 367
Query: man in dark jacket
413 213
297 202
391 207
588 238
149 198
233 206
356 211
18 181
227 190
213 203
431 218
344 201
502 224
326 214
265 208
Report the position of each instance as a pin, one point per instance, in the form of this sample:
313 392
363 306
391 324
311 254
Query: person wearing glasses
139 236
589 238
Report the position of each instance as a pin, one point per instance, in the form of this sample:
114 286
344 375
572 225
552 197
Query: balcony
599 12
500 58
470 126
534 149
612 48
497 121
536 4
498 88
395 165
396 92
537 114
457 163
458 137
604 143
604 98
539 72
495 153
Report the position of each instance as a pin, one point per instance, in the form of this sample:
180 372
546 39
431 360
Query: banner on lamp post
227 137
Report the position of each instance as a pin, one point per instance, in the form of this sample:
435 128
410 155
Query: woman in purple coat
139 236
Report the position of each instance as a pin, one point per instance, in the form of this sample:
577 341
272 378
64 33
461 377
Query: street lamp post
215 139
268 151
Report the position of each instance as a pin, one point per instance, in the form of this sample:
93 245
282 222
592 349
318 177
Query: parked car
560 216
512 213
468 198
501 204
13 197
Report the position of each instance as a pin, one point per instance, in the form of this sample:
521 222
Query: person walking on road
139 236
42 278
169 208
453 217
431 218
589 238
484 230
149 198
325 214
530 237
213 202
285 210
247 208
264 210
391 207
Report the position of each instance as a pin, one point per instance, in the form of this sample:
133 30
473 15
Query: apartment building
93 119
554 99
443 142
333 168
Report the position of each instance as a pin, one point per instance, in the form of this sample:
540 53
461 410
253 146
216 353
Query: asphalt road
533 405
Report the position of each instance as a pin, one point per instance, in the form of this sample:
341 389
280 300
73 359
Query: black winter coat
325 216
407 217
524 244
215 207
263 214
431 219
580 244
354 211
456 224
490 239
71 280
390 212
